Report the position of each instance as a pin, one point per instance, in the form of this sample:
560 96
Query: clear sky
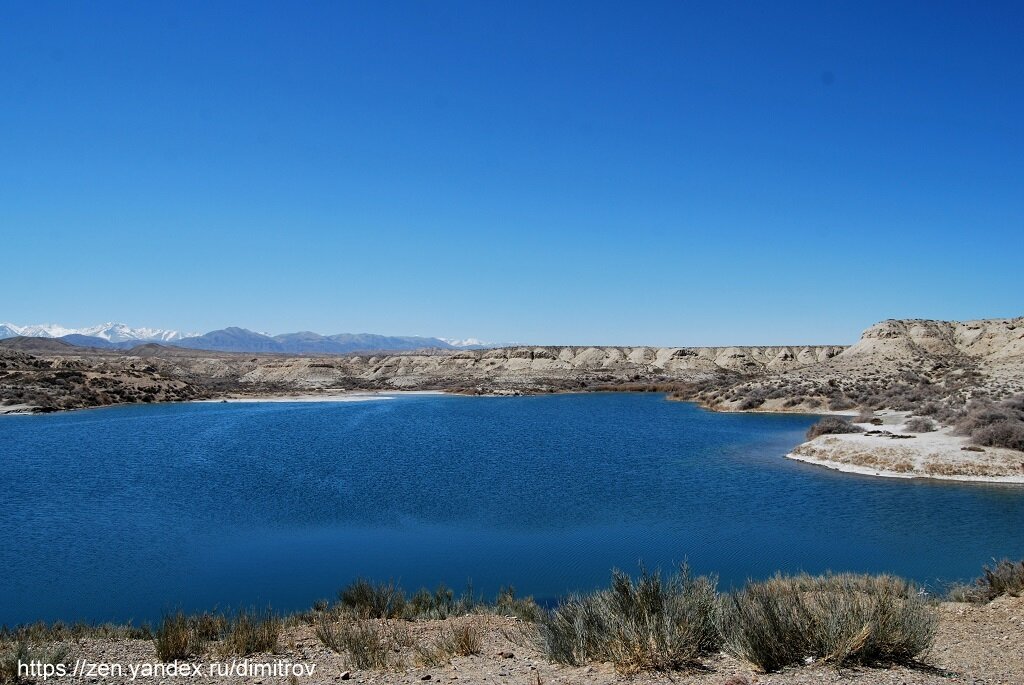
551 172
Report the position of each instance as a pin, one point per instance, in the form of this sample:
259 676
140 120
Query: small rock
506 655
346 675
425 677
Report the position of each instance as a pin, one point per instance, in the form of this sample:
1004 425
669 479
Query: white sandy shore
938 455
359 396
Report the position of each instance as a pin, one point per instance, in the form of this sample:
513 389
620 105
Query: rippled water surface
121 513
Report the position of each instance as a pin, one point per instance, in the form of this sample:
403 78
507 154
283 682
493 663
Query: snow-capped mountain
111 332
467 343
122 336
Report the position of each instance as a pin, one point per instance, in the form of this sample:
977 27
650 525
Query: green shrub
652 623
840 619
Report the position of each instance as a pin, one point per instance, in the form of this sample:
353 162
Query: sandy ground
938 454
338 396
981 645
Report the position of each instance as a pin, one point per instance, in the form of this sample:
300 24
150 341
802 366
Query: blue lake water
121 513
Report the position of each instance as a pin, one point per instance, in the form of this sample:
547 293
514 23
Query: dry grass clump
1004 578
176 638
653 623
24 652
439 604
250 632
841 619
832 425
523 608
373 600
366 599
59 631
365 643
463 640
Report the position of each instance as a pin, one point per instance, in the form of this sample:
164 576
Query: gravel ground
980 645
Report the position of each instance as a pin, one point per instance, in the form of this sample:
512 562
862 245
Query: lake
122 513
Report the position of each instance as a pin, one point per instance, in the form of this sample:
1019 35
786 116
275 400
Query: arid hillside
896 364
946 358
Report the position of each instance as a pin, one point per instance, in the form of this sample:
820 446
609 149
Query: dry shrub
1008 434
920 424
523 608
832 425
463 640
994 424
841 619
653 623
1005 578
249 632
22 652
364 642
373 600
176 638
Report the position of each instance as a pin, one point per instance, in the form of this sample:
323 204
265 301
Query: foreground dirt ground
976 644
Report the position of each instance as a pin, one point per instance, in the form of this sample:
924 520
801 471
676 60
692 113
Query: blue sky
632 173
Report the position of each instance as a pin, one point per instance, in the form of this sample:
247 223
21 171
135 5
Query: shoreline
883 473
318 397
890 450
937 455
972 641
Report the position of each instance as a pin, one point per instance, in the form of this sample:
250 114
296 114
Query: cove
121 513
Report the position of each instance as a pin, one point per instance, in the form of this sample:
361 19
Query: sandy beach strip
890 451
308 397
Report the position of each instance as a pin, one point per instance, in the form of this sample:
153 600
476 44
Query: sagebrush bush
994 424
1009 434
920 424
840 619
176 638
832 425
653 623
1006 578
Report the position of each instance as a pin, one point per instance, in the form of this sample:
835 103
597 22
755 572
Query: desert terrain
976 644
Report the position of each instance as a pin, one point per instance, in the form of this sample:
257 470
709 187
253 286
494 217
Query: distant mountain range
233 339
110 332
